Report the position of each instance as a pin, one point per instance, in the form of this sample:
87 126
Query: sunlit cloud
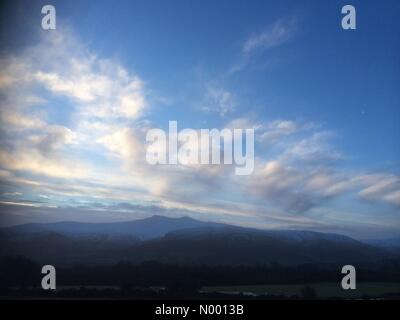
73 132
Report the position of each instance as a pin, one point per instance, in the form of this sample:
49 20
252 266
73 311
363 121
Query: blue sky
76 103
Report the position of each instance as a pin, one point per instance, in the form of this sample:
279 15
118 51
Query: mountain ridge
181 241
161 226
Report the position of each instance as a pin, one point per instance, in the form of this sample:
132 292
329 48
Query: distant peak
160 217
157 216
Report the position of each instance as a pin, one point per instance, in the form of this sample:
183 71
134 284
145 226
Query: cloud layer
73 129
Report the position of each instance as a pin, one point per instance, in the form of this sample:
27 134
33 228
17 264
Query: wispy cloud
219 100
274 36
73 129
380 187
12 194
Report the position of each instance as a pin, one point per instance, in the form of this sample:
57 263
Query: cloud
274 36
32 161
12 194
219 100
277 34
102 87
97 94
293 189
278 129
18 121
97 87
275 131
53 138
73 129
299 168
313 149
380 187
126 144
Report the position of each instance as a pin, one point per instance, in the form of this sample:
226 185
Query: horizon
197 220
77 102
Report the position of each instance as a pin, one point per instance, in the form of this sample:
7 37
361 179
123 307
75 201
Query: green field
323 290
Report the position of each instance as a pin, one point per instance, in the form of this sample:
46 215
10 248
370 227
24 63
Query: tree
308 293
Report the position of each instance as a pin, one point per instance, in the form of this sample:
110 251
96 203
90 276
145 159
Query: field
323 290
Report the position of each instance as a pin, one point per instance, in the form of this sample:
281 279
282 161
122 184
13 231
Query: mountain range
182 241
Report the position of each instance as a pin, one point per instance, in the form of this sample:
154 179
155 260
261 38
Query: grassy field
323 290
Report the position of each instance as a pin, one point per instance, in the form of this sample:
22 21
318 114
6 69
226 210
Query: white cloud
275 35
379 187
393 197
101 97
124 143
278 129
12 194
219 100
102 89
18 121
314 149
32 161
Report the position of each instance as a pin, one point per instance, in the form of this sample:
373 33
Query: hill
182 241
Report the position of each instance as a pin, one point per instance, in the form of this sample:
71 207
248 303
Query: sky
76 103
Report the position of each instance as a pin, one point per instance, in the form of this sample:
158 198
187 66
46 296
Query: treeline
19 271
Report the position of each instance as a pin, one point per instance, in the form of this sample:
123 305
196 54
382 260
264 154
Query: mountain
144 229
389 243
241 246
180 241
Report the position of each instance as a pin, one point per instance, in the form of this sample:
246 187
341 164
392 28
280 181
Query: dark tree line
19 271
